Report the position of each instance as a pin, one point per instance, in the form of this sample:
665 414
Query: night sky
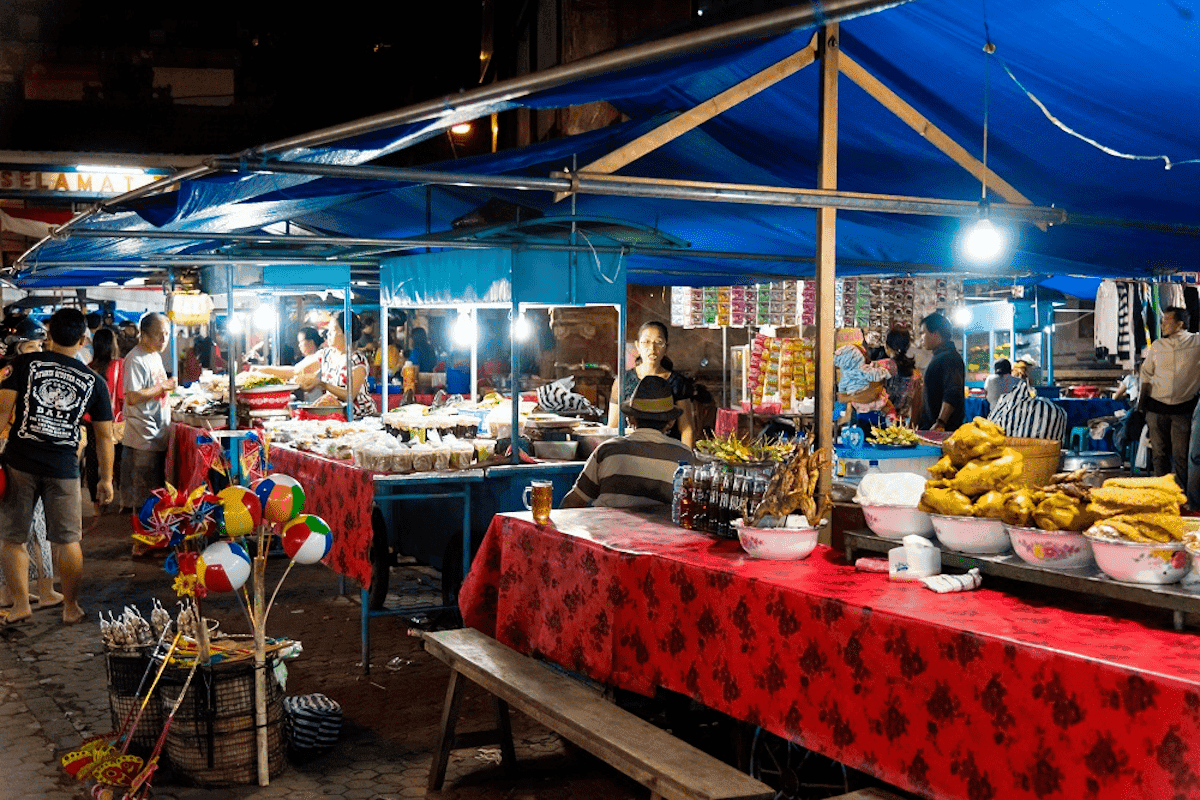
296 71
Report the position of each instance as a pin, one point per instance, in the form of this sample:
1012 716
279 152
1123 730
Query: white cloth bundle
954 583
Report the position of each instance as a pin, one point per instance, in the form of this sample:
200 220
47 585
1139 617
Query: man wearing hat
636 469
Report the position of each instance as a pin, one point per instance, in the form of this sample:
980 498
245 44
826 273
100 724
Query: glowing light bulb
461 129
234 325
264 317
463 330
522 329
983 242
961 317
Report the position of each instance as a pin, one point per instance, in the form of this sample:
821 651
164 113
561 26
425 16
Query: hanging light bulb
961 317
463 330
264 316
234 324
983 242
522 329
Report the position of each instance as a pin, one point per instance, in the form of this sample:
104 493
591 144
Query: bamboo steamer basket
1041 458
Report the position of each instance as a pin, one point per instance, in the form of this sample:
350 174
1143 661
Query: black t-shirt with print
54 391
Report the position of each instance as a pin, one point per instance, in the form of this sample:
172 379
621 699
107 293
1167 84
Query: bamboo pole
260 659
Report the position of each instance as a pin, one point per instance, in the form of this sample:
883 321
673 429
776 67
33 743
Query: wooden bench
670 768
870 793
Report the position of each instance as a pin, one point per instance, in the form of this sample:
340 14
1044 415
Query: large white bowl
1055 549
896 522
1141 562
982 536
781 544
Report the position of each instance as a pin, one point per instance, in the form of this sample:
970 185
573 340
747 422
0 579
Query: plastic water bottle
679 482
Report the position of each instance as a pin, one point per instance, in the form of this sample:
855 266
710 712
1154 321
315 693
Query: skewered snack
795 486
732 450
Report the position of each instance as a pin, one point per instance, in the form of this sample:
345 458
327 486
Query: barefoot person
50 392
28 338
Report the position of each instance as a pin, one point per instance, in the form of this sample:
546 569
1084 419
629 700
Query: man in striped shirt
636 469
1022 415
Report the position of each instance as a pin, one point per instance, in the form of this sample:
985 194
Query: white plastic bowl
896 522
1055 549
1141 562
781 544
980 536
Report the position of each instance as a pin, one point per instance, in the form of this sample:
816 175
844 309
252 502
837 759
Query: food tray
273 388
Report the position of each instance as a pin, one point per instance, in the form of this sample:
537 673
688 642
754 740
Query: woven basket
1041 456
213 741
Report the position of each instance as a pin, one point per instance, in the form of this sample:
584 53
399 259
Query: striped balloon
282 497
223 567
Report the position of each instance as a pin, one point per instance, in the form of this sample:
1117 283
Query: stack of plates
313 722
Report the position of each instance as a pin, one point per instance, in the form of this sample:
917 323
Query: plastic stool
1080 439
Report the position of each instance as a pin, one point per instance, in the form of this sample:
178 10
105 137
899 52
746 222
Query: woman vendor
652 360
327 369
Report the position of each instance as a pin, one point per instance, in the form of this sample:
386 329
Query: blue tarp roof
1122 73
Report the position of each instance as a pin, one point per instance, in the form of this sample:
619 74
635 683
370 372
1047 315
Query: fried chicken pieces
1138 509
975 475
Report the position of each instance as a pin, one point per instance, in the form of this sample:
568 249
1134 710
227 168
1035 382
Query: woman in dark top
903 387
652 360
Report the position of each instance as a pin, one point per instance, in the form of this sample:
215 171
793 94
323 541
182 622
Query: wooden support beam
826 266
930 132
702 113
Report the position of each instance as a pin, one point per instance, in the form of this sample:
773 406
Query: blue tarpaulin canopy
1122 74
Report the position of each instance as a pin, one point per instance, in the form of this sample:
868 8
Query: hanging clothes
1106 319
1191 301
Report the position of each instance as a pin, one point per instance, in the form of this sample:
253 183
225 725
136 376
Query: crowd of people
77 397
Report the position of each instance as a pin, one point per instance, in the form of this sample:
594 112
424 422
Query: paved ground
53 693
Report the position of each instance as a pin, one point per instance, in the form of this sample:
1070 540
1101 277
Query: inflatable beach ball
281 496
307 539
240 511
223 567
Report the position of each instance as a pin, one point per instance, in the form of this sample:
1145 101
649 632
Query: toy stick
260 659
276 592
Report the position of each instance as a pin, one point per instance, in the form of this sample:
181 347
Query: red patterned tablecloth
975 695
339 493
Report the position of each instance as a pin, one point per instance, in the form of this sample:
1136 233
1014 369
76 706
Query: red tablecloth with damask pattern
337 492
975 695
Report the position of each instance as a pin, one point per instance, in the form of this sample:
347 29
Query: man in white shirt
147 413
1170 382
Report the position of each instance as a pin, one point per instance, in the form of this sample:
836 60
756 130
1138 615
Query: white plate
278 387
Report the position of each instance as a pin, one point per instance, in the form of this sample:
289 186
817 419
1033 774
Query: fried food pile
1138 509
1061 505
795 486
976 475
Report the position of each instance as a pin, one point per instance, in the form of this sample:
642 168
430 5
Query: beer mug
543 498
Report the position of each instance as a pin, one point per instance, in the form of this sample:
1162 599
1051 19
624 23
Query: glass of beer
542 498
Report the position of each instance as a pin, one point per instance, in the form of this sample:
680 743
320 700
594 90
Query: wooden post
826 266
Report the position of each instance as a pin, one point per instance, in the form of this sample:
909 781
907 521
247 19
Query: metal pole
724 366
475 356
232 360
622 313
171 323
385 377
514 382
348 335
619 186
